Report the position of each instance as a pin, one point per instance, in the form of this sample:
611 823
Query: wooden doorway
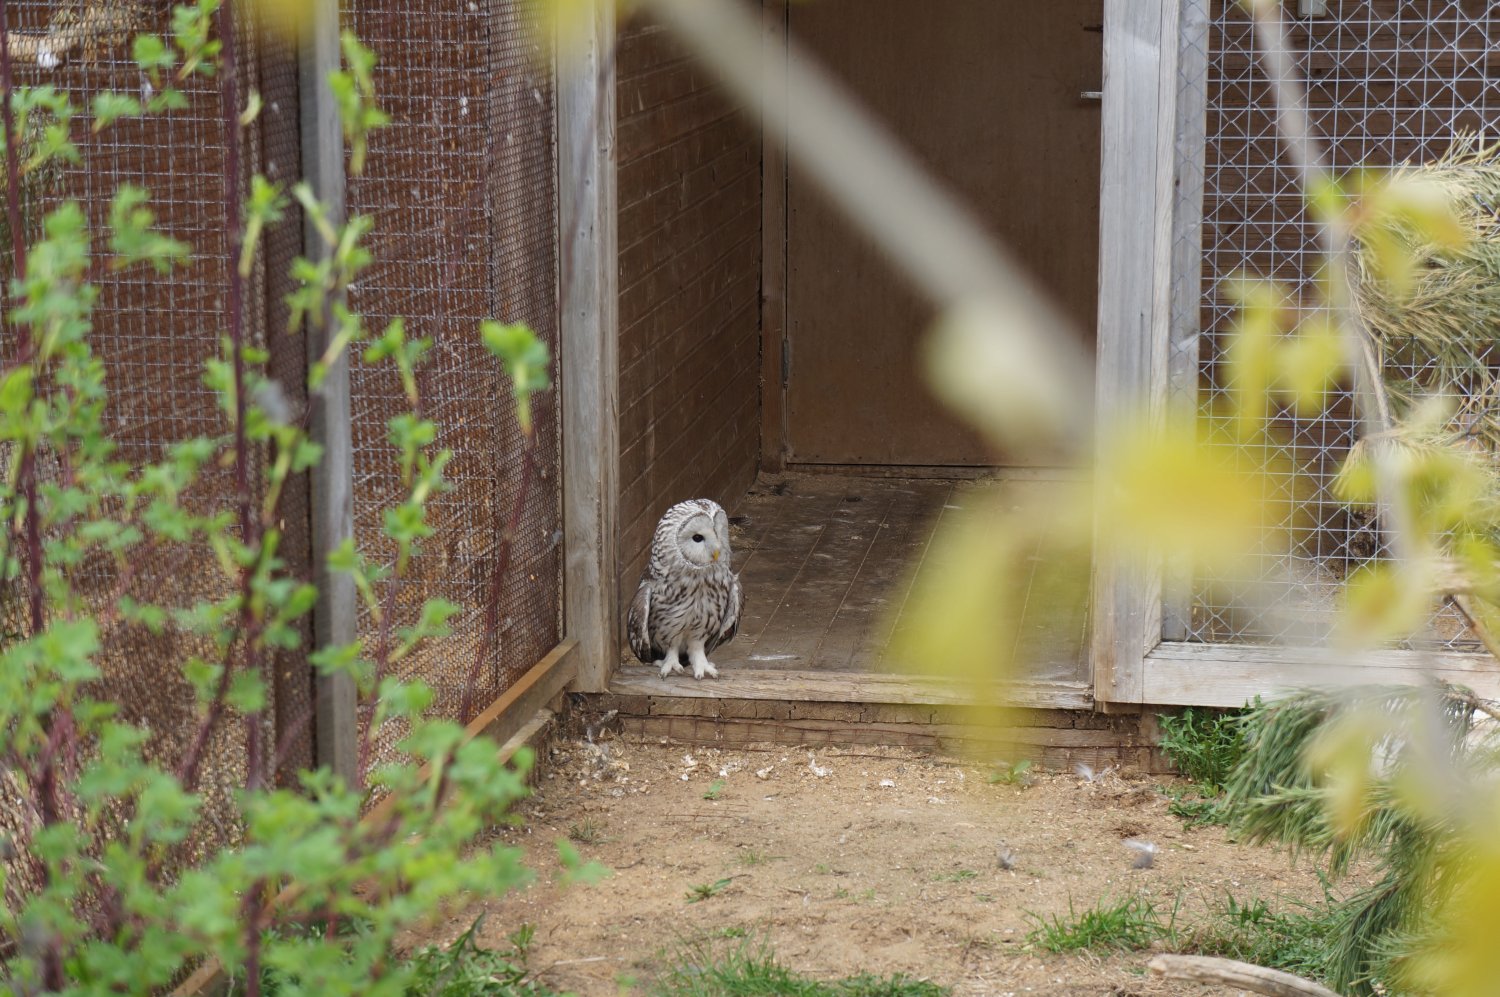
996 97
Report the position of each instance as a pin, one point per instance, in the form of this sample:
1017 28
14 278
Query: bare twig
884 191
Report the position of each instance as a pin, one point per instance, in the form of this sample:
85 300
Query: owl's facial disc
700 545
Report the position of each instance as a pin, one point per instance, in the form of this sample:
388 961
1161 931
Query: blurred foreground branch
887 195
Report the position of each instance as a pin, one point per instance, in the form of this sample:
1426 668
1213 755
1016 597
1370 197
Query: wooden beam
1136 173
335 616
508 716
773 304
849 687
1185 313
1188 674
589 339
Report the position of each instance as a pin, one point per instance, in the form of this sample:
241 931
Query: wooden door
988 94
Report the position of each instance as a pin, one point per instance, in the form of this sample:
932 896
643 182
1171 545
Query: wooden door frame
588 339
1151 195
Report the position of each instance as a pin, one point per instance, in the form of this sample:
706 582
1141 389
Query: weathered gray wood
846 687
1190 674
773 316
1187 266
1240 975
335 615
1140 115
589 340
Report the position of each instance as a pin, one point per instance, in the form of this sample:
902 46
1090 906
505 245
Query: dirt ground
850 861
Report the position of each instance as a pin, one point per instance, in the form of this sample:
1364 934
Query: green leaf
110 106
133 237
247 692
152 54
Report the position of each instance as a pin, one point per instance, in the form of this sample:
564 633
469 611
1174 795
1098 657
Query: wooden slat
846 687
589 341
1186 674
1140 114
773 254
335 616
1187 264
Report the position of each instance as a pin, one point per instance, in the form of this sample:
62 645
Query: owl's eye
697 538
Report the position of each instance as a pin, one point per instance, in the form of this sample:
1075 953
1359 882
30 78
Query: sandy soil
850 861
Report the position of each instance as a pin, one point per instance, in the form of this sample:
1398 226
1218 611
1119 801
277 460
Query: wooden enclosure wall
689 279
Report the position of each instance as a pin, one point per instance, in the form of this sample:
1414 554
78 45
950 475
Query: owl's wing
730 624
638 624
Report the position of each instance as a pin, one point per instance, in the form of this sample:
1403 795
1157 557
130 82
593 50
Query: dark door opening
997 99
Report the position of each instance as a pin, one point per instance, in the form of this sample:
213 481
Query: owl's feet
703 667
670 665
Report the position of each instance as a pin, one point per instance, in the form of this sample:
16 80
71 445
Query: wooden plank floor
825 560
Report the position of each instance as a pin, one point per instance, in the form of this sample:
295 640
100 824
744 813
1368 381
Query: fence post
587 337
335 615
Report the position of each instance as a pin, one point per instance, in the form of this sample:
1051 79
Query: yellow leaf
1340 759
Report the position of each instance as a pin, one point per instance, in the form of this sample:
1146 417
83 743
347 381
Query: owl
689 600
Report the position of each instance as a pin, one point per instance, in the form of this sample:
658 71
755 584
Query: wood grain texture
589 334
773 315
1184 316
986 97
1190 674
1140 116
848 687
335 616
689 220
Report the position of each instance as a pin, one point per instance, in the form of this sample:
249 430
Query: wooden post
1135 291
1185 318
589 338
335 615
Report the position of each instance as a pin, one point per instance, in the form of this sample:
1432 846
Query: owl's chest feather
693 603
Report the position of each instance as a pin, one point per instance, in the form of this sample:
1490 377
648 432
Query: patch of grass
462 969
732 931
703 891
957 876
1013 774
1204 745
1297 941
823 869
1131 922
586 831
752 970
752 857
715 790
1195 809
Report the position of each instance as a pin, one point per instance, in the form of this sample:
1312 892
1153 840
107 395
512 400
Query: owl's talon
705 669
670 666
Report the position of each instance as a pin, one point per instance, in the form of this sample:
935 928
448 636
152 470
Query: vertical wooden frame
773 304
1135 296
589 340
335 616
1185 309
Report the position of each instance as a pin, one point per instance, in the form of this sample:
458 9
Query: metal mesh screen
153 335
463 185
1388 81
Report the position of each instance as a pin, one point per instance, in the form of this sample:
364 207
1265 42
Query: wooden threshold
849 687
1190 674
957 472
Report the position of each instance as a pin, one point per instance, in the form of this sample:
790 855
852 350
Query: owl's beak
716 553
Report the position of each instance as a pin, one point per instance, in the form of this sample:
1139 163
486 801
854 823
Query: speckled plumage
689 599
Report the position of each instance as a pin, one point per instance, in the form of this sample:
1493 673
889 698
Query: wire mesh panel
153 334
1389 81
463 186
